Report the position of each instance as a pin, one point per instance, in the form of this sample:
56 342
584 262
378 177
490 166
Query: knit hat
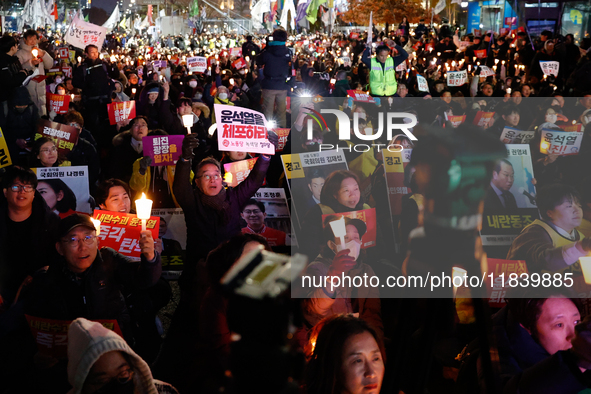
279 35
155 89
87 342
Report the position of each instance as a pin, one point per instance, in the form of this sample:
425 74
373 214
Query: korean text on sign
550 68
457 78
59 103
164 150
122 231
121 111
242 130
514 136
561 143
64 136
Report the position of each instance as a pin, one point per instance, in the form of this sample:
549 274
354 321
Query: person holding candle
32 58
553 243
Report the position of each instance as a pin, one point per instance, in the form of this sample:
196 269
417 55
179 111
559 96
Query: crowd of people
337 339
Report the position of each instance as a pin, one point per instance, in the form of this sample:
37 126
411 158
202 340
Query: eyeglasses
74 242
210 177
255 211
49 150
123 378
76 125
18 188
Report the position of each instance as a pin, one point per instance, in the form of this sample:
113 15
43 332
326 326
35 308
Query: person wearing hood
119 94
100 361
19 123
275 60
133 83
547 54
222 97
336 259
12 74
154 104
29 61
127 149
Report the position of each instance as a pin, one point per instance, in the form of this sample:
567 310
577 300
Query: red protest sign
457 120
121 231
282 134
480 54
120 111
237 51
239 63
39 78
417 45
64 53
64 136
58 103
360 96
354 35
497 279
483 118
67 71
51 335
237 171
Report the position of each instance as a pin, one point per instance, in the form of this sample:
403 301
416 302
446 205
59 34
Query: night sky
107 5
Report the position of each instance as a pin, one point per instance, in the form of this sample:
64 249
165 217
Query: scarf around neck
218 203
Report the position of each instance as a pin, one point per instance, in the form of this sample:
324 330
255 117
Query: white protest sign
457 78
560 143
422 83
242 130
345 61
515 136
80 34
71 183
401 66
197 64
550 68
486 72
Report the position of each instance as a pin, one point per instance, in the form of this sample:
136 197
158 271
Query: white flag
370 28
113 19
439 7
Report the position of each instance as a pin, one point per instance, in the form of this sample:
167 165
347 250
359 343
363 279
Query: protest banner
416 46
58 103
122 231
197 64
457 78
66 189
360 96
480 53
239 63
53 72
283 134
368 216
482 119
67 71
120 111
550 68
305 174
477 33
562 143
165 150
159 64
486 72
64 136
63 53
51 335
237 51
501 271
507 213
422 84
394 165
354 35
573 127
277 222
5 159
345 61
401 66
242 130
464 45
511 135
457 120
81 33
173 233
237 171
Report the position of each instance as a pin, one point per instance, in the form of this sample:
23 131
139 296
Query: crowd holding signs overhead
128 163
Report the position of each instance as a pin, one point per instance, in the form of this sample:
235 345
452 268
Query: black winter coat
12 75
276 58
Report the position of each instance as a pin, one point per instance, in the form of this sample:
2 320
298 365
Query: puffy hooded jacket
276 58
36 89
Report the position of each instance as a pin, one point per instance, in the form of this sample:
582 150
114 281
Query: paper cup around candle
586 268
143 207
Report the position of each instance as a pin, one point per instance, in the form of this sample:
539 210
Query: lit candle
339 230
188 122
79 59
72 96
35 52
143 207
97 226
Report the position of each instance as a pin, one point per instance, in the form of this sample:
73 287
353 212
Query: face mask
114 387
223 96
242 72
20 110
198 96
353 246
551 118
58 80
193 84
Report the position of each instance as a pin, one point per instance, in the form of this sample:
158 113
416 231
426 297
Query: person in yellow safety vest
382 69
553 243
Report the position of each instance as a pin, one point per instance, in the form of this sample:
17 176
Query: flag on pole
312 10
439 7
113 19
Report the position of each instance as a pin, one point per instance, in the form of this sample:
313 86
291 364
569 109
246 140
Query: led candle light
339 230
143 207
586 268
188 122
97 226
72 96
